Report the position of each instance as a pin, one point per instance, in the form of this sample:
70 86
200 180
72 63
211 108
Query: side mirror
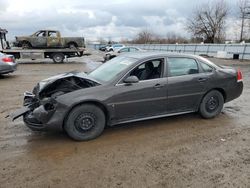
131 80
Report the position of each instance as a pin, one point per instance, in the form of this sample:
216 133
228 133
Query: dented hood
44 83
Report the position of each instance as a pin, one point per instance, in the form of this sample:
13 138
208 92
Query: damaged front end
41 105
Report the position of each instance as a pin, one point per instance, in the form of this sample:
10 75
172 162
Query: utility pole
244 7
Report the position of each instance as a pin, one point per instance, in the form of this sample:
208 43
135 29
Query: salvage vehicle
112 54
48 39
131 87
56 54
7 64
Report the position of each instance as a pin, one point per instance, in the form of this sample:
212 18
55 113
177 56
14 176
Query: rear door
186 84
53 39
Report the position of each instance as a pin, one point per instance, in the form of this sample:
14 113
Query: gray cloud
3 5
95 19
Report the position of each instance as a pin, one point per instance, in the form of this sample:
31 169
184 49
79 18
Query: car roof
48 30
148 54
155 54
130 47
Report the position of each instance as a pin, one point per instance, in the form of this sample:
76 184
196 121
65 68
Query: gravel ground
180 151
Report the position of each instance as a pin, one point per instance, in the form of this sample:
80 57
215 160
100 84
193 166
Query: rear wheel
72 45
211 104
58 57
26 45
85 122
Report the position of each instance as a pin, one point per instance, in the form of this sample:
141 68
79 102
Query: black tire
26 45
211 105
107 57
58 57
85 122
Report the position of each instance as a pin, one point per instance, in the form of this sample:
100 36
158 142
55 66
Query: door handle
202 79
158 86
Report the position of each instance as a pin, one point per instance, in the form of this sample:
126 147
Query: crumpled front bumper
40 115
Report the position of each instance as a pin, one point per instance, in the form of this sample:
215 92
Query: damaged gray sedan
131 87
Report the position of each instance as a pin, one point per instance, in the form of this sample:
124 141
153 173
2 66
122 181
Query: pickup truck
48 39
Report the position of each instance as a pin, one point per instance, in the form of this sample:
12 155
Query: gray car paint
8 67
144 100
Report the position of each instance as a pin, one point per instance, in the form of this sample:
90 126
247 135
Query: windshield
111 69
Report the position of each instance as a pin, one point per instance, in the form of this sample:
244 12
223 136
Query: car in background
103 47
131 87
114 47
112 54
7 64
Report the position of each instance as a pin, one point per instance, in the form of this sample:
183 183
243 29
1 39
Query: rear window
205 67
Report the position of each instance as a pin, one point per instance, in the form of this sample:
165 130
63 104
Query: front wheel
211 105
107 57
85 122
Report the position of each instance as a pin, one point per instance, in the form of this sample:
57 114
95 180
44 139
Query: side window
182 66
149 70
52 34
124 50
205 67
41 34
133 49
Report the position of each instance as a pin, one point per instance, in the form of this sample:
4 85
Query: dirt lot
181 151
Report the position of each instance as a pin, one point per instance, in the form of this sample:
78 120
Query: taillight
7 59
239 76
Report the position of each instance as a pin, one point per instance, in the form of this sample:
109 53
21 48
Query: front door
146 98
39 39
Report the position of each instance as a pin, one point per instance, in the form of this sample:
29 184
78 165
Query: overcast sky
94 19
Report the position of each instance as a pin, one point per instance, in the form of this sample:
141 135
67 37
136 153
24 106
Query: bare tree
144 37
173 38
244 10
208 21
101 40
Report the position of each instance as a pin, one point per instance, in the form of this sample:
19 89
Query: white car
114 47
112 54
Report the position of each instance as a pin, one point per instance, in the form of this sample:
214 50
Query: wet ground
180 151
